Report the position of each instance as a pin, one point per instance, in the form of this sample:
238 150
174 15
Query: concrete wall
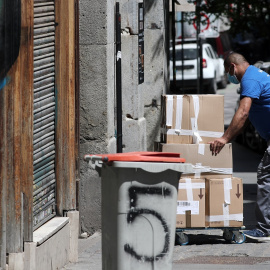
134 124
97 101
141 103
155 67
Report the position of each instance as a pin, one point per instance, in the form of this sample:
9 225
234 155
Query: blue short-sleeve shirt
256 84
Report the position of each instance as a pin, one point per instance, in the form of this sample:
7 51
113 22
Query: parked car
252 139
214 76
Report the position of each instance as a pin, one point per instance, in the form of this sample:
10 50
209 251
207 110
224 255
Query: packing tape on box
226 214
201 149
196 138
198 169
227 182
194 121
187 132
221 170
169 110
189 186
179 111
215 218
194 185
189 189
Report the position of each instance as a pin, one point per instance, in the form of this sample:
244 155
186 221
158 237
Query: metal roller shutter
44 112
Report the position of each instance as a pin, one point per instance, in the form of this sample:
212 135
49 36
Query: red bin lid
140 157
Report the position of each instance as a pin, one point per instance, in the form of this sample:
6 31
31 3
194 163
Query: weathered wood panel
2 182
16 126
12 92
27 90
65 96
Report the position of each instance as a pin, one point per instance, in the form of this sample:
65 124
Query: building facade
38 133
58 102
140 97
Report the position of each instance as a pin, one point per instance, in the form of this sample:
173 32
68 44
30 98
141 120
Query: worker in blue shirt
255 105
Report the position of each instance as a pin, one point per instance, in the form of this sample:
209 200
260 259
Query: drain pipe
119 134
173 45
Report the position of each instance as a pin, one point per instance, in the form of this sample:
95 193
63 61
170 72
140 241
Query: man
255 105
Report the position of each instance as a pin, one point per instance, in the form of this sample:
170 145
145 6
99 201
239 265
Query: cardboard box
191 203
192 118
224 202
205 164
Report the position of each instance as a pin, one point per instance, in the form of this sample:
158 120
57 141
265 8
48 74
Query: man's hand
217 145
235 127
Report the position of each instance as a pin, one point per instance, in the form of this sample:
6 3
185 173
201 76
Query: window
189 54
211 53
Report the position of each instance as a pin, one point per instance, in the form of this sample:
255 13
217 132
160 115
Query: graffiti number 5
135 212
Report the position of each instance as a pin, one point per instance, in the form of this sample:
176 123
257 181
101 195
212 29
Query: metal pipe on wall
182 52
199 60
118 82
173 45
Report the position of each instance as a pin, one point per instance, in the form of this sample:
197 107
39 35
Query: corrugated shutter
44 112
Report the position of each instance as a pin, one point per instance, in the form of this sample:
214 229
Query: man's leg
263 194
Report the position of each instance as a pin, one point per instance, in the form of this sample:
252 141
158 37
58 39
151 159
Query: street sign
205 26
210 26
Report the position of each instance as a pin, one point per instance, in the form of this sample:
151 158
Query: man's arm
237 123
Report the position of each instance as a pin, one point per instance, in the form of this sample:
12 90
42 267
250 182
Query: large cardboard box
205 164
224 202
191 203
192 118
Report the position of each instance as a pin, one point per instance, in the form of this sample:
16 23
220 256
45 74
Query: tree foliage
244 15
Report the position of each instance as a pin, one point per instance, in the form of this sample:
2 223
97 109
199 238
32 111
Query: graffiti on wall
10 33
135 212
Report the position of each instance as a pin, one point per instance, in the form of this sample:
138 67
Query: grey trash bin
139 200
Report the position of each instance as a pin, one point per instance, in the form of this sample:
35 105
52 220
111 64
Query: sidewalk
89 254
207 250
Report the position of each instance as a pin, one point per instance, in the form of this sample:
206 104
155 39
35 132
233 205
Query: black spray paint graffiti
134 212
10 34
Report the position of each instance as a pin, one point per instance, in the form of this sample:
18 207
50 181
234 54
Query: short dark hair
236 58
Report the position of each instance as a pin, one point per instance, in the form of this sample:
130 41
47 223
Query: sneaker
258 235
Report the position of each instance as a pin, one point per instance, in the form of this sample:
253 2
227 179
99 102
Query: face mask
232 78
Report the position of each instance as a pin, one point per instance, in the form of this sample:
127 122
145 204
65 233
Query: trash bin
139 200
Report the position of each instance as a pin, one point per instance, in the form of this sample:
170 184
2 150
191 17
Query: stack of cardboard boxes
210 196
